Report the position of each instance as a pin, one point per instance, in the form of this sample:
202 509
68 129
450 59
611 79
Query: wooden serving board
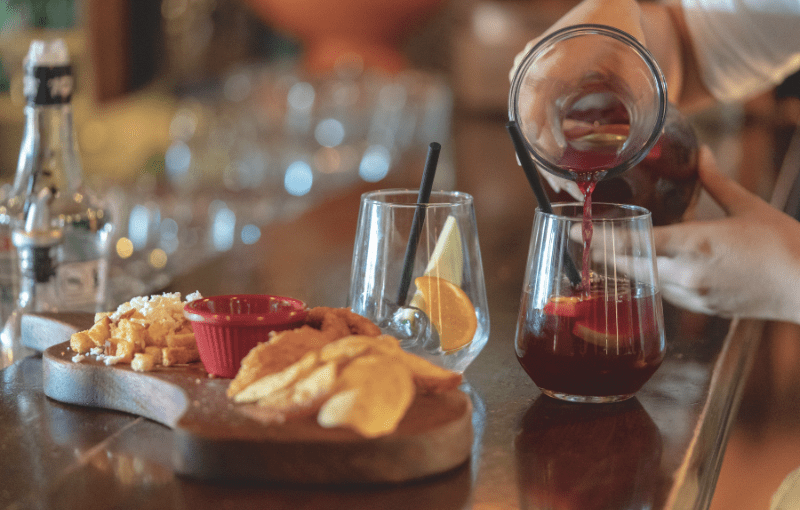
215 439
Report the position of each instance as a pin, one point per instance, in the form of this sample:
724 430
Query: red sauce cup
227 327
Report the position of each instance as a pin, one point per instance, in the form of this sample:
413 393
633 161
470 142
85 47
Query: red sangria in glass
602 338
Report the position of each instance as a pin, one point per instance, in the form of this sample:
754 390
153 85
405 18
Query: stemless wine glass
438 309
601 339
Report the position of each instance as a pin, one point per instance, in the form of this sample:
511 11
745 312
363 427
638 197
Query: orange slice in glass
564 306
449 309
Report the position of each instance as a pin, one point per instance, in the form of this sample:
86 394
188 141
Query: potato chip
372 395
428 378
284 349
318 384
345 349
271 383
303 398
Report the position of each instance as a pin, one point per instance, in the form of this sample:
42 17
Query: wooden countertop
662 449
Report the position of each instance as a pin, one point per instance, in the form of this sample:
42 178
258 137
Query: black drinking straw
538 189
419 218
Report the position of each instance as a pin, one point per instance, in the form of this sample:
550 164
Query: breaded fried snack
365 382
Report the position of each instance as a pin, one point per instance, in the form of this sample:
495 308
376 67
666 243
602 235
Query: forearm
661 28
786 273
667 37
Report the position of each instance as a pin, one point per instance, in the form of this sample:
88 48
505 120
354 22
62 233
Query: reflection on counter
574 457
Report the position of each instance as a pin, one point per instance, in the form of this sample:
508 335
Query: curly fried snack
342 321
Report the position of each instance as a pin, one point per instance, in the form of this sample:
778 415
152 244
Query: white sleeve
744 47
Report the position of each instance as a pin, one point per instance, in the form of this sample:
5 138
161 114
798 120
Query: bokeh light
298 179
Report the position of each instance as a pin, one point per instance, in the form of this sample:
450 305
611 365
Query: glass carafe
591 101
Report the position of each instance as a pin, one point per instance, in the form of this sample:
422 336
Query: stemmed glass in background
600 338
443 316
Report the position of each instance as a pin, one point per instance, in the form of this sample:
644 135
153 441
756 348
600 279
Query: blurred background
203 121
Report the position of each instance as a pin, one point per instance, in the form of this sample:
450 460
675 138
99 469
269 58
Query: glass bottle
591 100
58 228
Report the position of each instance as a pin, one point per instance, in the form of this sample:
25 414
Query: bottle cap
48 73
47 53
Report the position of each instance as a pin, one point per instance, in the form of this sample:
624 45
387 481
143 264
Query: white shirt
744 46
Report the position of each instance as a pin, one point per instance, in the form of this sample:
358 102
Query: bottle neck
48 154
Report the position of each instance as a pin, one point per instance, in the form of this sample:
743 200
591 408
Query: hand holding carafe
591 103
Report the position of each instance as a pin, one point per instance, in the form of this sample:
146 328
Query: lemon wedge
446 260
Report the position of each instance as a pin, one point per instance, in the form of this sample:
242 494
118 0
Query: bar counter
660 450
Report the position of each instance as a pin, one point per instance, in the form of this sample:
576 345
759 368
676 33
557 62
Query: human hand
746 264
622 14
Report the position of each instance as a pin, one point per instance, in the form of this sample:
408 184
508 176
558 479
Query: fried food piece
272 383
365 382
153 326
303 398
81 342
347 348
143 362
130 331
342 321
99 316
181 338
178 355
284 349
158 332
101 331
372 395
309 391
428 378
125 349
155 353
325 320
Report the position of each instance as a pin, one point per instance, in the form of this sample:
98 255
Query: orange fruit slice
565 306
449 309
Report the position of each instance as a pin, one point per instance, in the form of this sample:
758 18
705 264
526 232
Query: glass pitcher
591 100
